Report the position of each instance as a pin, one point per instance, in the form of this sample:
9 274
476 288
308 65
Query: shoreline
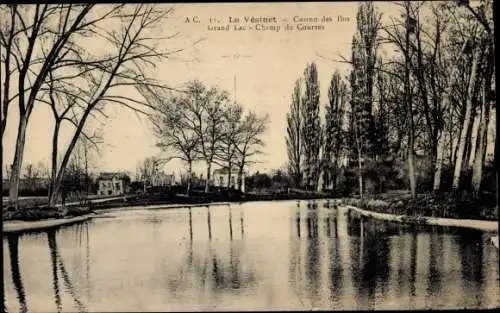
16 226
487 226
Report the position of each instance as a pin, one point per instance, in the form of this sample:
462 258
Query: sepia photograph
279 156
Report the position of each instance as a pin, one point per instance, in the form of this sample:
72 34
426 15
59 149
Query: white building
113 184
220 178
162 180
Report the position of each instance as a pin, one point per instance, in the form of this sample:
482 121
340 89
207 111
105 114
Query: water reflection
190 225
230 224
286 258
471 260
336 267
13 241
313 255
53 258
208 267
435 253
57 260
209 215
242 225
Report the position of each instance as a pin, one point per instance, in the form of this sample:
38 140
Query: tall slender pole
235 88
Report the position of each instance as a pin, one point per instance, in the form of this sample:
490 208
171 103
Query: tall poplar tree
293 139
311 127
333 136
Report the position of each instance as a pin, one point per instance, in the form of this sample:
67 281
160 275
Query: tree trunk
411 167
229 175
333 175
477 168
207 181
190 171
442 140
409 109
240 179
465 126
439 162
360 176
18 161
451 156
468 144
53 175
67 155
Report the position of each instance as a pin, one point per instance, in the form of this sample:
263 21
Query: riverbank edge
488 226
17 226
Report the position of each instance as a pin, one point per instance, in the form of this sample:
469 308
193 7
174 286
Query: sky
264 63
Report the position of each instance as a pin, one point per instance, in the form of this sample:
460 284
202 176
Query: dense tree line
416 118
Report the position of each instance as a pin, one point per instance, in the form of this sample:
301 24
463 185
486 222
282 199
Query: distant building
113 184
162 180
221 176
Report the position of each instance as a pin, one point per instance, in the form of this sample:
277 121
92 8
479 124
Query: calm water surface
271 255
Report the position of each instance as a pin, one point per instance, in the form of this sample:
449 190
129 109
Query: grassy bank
425 205
38 212
42 213
397 202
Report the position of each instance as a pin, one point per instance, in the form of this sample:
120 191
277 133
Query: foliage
418 118
311 132
294 138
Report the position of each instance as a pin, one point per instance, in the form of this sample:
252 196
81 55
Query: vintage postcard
249 156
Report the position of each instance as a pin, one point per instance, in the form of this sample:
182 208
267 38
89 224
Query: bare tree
482 131
446 105
134 51
148 170
174 128
63 107
206 107
38 37
31 177
467 119
232 129
250 142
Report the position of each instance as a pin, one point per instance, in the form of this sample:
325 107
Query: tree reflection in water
13 241
53 258
230 224
57 266
434 277
190 225
209 223
335 263
57 260
370 256
313 259
470 249
294 265
242 225
211 268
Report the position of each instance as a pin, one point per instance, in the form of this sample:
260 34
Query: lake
253 256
